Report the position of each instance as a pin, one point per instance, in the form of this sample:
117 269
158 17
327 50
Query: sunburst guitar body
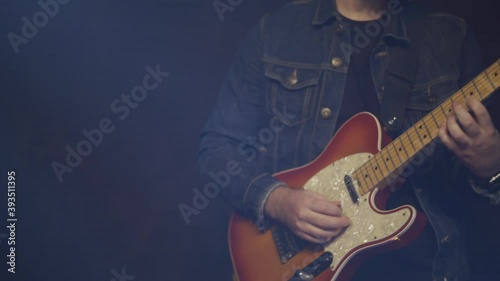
355 168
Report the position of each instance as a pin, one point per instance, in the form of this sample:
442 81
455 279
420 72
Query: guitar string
482 79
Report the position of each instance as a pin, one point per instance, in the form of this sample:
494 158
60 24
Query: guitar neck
386 166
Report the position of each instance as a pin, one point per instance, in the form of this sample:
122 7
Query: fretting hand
470 134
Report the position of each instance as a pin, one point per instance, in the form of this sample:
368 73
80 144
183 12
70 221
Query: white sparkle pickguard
367 226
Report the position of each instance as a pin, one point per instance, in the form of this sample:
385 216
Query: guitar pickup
350 188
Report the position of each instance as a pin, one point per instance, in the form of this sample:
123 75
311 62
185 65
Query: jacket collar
396 29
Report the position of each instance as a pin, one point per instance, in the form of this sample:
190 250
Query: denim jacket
279 106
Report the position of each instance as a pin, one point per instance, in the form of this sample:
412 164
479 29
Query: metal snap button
445 239
293 79
326 112
339 29
337 62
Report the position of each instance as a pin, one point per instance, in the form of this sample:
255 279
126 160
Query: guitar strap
401 71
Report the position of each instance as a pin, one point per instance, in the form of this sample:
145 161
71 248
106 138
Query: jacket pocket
423 99
292 92
426 97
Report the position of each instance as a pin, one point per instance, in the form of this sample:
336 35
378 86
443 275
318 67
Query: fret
451 102
385 162
418 135
373 174
408 147
381 166
388 158
355 178
392 160
434 119
494 76
477 90
375 169
427 129
366 174
411 142
364 188
463 93
485 85
404 149
442 109
489 80
395 151
450 107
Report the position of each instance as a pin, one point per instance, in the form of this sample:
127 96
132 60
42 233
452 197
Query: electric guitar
355 168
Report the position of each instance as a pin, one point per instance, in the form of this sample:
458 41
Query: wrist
273 203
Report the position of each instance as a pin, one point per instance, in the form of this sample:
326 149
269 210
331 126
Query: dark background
119 208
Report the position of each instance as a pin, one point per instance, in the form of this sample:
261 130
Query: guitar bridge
287 244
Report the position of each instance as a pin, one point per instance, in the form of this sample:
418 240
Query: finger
446 139
320 234
469 125
456 133
326 222
309 238
483 118
326 207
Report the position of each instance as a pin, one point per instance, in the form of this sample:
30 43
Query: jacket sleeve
230 153
471 66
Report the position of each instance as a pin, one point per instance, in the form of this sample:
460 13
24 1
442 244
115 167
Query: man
303 71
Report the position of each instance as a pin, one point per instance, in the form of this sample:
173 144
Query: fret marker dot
386 159
400 149
471 93
425 136
376 168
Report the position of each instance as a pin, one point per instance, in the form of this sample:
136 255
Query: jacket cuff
484 188
256 196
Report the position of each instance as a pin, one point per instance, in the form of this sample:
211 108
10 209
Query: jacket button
293 79
337 62
326 112
431 99
339 29
445 239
